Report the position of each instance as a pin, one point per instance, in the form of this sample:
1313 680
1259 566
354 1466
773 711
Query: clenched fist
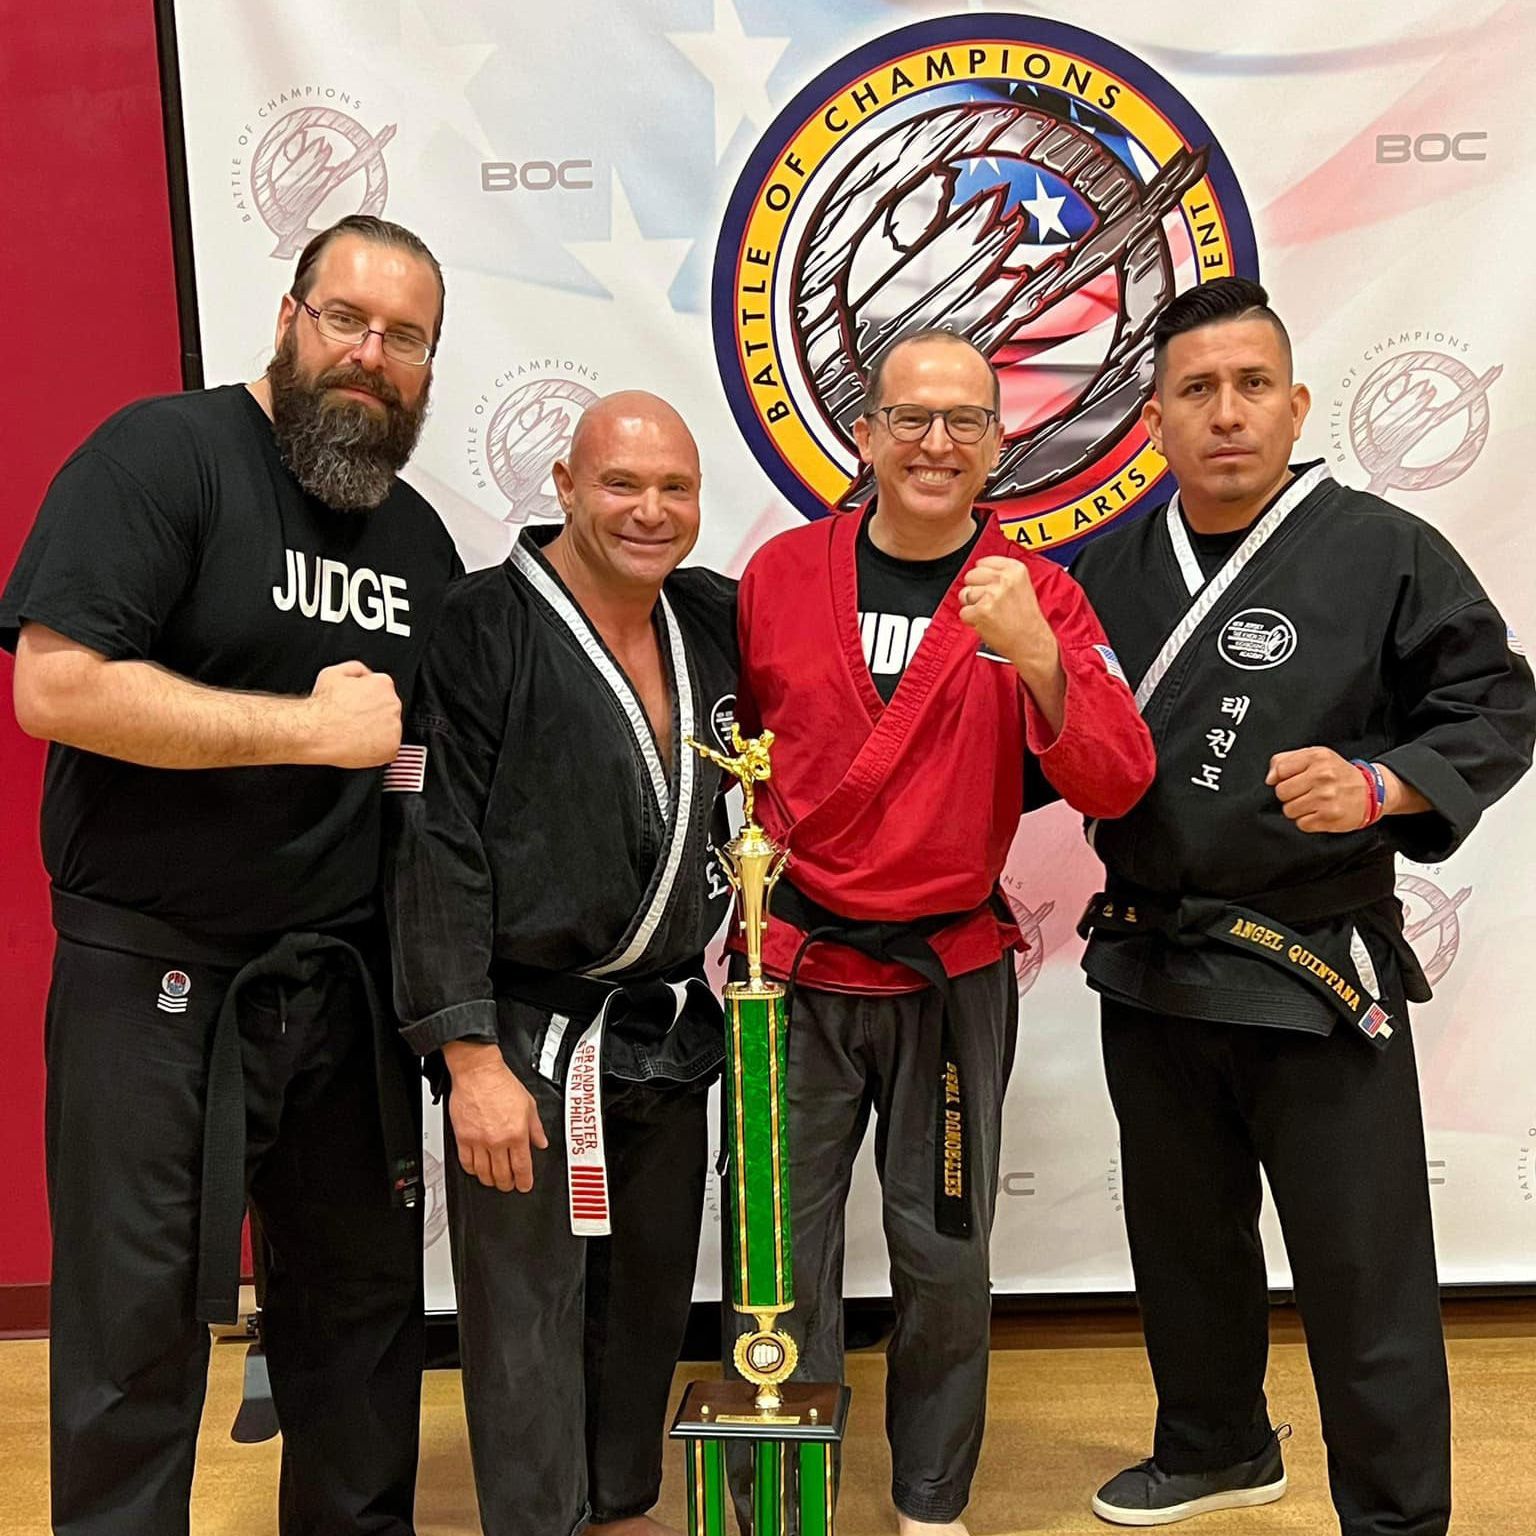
1319 790
998 601
356 717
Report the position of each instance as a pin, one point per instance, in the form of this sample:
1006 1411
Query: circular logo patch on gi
1022 183
175 984
1257 638
721 718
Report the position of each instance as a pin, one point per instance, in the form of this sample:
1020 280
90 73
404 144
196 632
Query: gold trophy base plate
727 1410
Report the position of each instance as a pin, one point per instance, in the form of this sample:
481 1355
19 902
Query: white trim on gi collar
1259 535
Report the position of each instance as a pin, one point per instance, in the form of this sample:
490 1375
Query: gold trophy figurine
751 860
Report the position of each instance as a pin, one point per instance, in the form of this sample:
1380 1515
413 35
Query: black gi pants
851 1054
1337 1127
342 1324
569 1343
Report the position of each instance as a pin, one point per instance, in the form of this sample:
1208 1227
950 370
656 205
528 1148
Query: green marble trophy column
789 1422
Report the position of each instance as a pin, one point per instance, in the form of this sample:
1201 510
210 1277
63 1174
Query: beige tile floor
1071 1401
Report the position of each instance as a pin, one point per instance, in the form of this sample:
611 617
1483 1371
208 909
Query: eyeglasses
348 331
910 423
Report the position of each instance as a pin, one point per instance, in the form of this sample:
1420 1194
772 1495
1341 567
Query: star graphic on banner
1046 212
449 67
627 264
737 68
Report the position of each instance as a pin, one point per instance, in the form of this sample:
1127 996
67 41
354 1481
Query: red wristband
1373 805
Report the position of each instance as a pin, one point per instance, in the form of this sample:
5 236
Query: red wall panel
88 298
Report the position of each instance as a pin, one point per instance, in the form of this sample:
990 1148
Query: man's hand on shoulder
495 1119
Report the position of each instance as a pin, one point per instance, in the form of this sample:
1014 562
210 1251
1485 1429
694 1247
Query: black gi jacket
1354 626
547 839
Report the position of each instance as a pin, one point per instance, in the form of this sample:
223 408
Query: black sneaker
1146 1495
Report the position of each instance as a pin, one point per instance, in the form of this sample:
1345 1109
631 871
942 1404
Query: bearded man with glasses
926 681
216 618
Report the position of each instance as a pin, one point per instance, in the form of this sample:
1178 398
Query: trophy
781 1418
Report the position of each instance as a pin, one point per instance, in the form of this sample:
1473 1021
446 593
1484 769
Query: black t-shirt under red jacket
904 810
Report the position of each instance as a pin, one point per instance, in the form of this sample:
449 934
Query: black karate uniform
215 1025
552 888
1338 620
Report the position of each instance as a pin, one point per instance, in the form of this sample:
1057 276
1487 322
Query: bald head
629 488
630 414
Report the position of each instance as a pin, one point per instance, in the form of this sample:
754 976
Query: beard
343 452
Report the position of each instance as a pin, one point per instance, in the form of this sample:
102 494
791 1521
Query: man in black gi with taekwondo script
551 891
1328 685
215 619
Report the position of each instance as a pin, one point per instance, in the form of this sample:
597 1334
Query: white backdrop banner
723 200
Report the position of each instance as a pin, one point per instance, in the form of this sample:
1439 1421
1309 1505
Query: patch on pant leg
175 989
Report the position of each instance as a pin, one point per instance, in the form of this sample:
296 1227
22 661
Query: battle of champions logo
1411 411
307 161
1022 183
1029 960
521 426
1525 1168
1430 922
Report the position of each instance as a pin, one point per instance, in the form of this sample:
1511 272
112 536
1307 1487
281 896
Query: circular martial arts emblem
765 1359
721 718
1020 182
176 985
1419 421
1257 638
1431 924
531 429
312 166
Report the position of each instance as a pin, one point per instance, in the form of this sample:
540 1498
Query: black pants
569 1343
1337 1128
342 1323
850 1055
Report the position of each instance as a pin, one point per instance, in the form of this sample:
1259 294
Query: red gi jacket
903 810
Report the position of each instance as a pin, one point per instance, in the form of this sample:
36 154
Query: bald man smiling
551 890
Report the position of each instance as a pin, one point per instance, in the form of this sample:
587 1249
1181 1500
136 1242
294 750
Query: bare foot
910 1527
636 1525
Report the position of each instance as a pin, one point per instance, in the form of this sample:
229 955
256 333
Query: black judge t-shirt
897 600
176 535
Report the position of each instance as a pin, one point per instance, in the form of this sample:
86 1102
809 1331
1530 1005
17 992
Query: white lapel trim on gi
576 621
685 761
1195 615
1183 548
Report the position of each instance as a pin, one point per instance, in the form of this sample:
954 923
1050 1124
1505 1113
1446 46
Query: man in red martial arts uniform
925 679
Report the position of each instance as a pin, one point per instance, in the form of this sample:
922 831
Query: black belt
904 943
295 958
647 1007
1261 926
643 1009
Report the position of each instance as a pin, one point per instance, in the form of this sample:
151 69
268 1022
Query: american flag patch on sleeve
1111 663
408 773
1375 1022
